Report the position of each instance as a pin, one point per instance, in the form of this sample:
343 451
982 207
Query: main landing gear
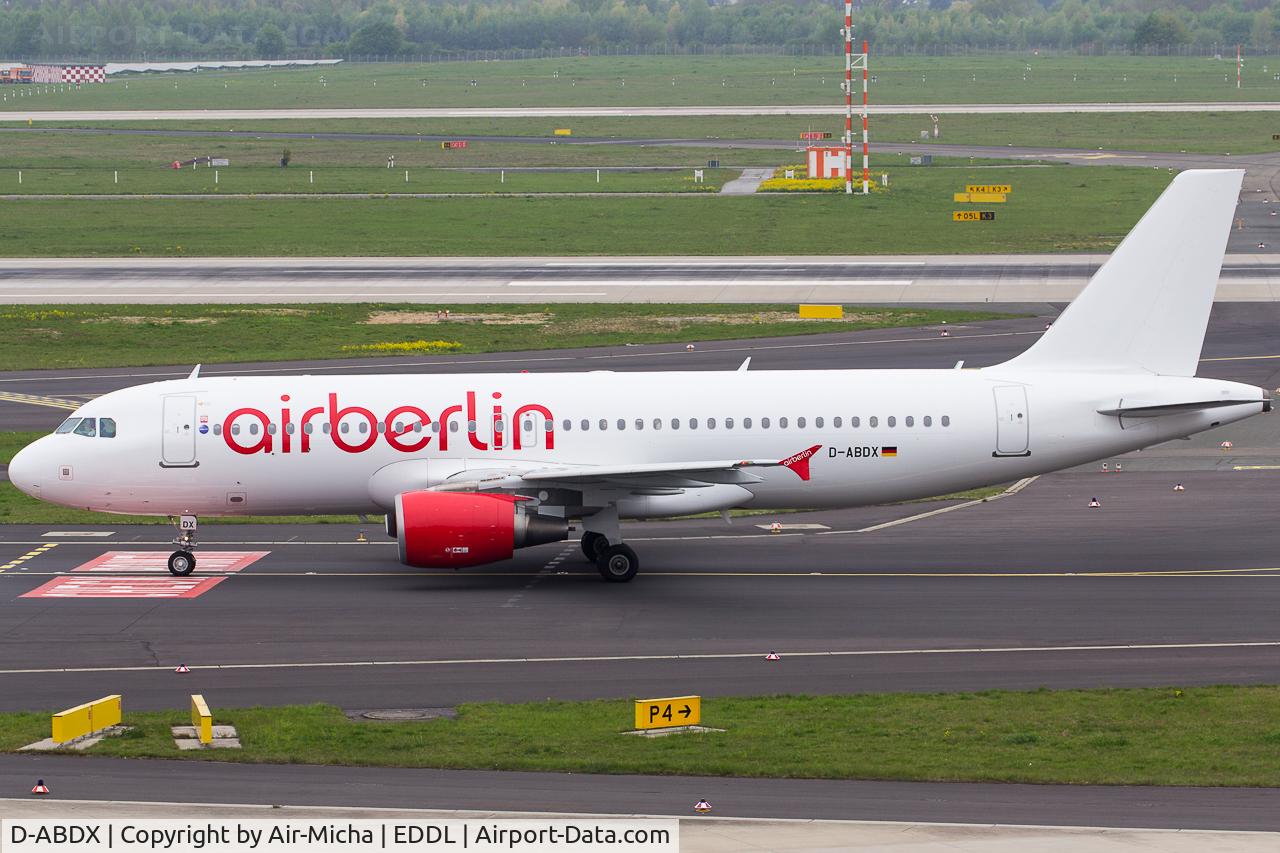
616 563
182 562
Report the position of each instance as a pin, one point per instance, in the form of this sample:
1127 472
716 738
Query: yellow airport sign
668 713
979 198
972 215
86 719
988 188
563 131
821 312
202 719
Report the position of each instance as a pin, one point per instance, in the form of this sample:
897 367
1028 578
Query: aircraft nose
25 470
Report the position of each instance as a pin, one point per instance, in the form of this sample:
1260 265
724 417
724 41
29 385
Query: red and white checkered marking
84 74
207 562
90 586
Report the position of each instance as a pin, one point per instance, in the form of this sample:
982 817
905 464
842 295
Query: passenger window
435 426
586 424
344 427
253 428
88 427
566 425
639 423
893 422
604 424
675 423
657 423
910 421
728 423
928 421
235 429
855 421
817 422
711 423
622 424
471 426
836 422
364 427
764 423
307 428
800 423
217 429
782 423
693 423
325 428
746 423
453 426
946 420
107 427
66 426
873 422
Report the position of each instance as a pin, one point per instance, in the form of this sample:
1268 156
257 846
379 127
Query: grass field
698 80
1053 209
1198 736
53 336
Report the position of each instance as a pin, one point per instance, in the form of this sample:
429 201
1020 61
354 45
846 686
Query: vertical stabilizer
1147 307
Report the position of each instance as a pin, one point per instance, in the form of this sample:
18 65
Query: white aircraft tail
1146 309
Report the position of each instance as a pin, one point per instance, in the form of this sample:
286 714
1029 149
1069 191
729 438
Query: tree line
359 29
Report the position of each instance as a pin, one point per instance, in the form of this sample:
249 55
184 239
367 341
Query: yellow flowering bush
802 183
405 346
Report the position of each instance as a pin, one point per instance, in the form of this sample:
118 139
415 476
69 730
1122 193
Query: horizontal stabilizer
1179 408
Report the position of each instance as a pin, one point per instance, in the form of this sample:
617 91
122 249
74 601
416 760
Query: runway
639 111
910 279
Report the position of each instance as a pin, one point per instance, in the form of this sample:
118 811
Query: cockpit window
88 427
107 427
66 426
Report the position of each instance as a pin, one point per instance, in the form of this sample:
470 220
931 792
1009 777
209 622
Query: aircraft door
1012 421
178 436
531 425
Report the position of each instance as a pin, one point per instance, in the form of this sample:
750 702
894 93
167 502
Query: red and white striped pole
848 97
1237 66
866 148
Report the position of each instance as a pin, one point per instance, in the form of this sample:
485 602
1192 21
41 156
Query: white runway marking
757 653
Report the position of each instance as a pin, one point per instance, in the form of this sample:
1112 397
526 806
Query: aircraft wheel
618 564
182 563
593 545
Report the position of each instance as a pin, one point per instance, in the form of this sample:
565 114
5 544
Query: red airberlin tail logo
800 462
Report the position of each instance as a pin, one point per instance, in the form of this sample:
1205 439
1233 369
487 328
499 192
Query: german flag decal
889 452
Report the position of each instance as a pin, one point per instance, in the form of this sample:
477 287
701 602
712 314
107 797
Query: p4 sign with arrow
668 713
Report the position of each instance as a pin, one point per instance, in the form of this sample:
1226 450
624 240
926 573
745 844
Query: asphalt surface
1248 275
547 112
1102 805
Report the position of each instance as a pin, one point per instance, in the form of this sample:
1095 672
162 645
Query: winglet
195 374
742 368
800 462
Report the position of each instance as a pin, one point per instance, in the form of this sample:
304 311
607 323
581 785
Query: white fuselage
232 446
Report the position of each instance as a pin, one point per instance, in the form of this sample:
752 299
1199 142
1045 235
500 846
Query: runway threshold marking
30 555
852 653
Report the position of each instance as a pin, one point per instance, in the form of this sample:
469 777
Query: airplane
470 468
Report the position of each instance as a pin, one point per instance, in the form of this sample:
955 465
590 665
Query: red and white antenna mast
852 61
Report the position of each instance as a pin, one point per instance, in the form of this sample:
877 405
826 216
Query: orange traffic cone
40 787
182 669
772 656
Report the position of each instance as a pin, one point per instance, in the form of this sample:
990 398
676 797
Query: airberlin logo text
355 429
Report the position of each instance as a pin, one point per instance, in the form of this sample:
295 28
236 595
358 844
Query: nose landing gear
182 562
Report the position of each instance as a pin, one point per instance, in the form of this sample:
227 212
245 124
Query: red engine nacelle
455 529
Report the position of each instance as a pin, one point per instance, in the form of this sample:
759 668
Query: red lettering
286 437
473 425
335 418
444 425
306 421
548 425
263 445
497 421
393 437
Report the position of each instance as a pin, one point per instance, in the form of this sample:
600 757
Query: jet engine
455 529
